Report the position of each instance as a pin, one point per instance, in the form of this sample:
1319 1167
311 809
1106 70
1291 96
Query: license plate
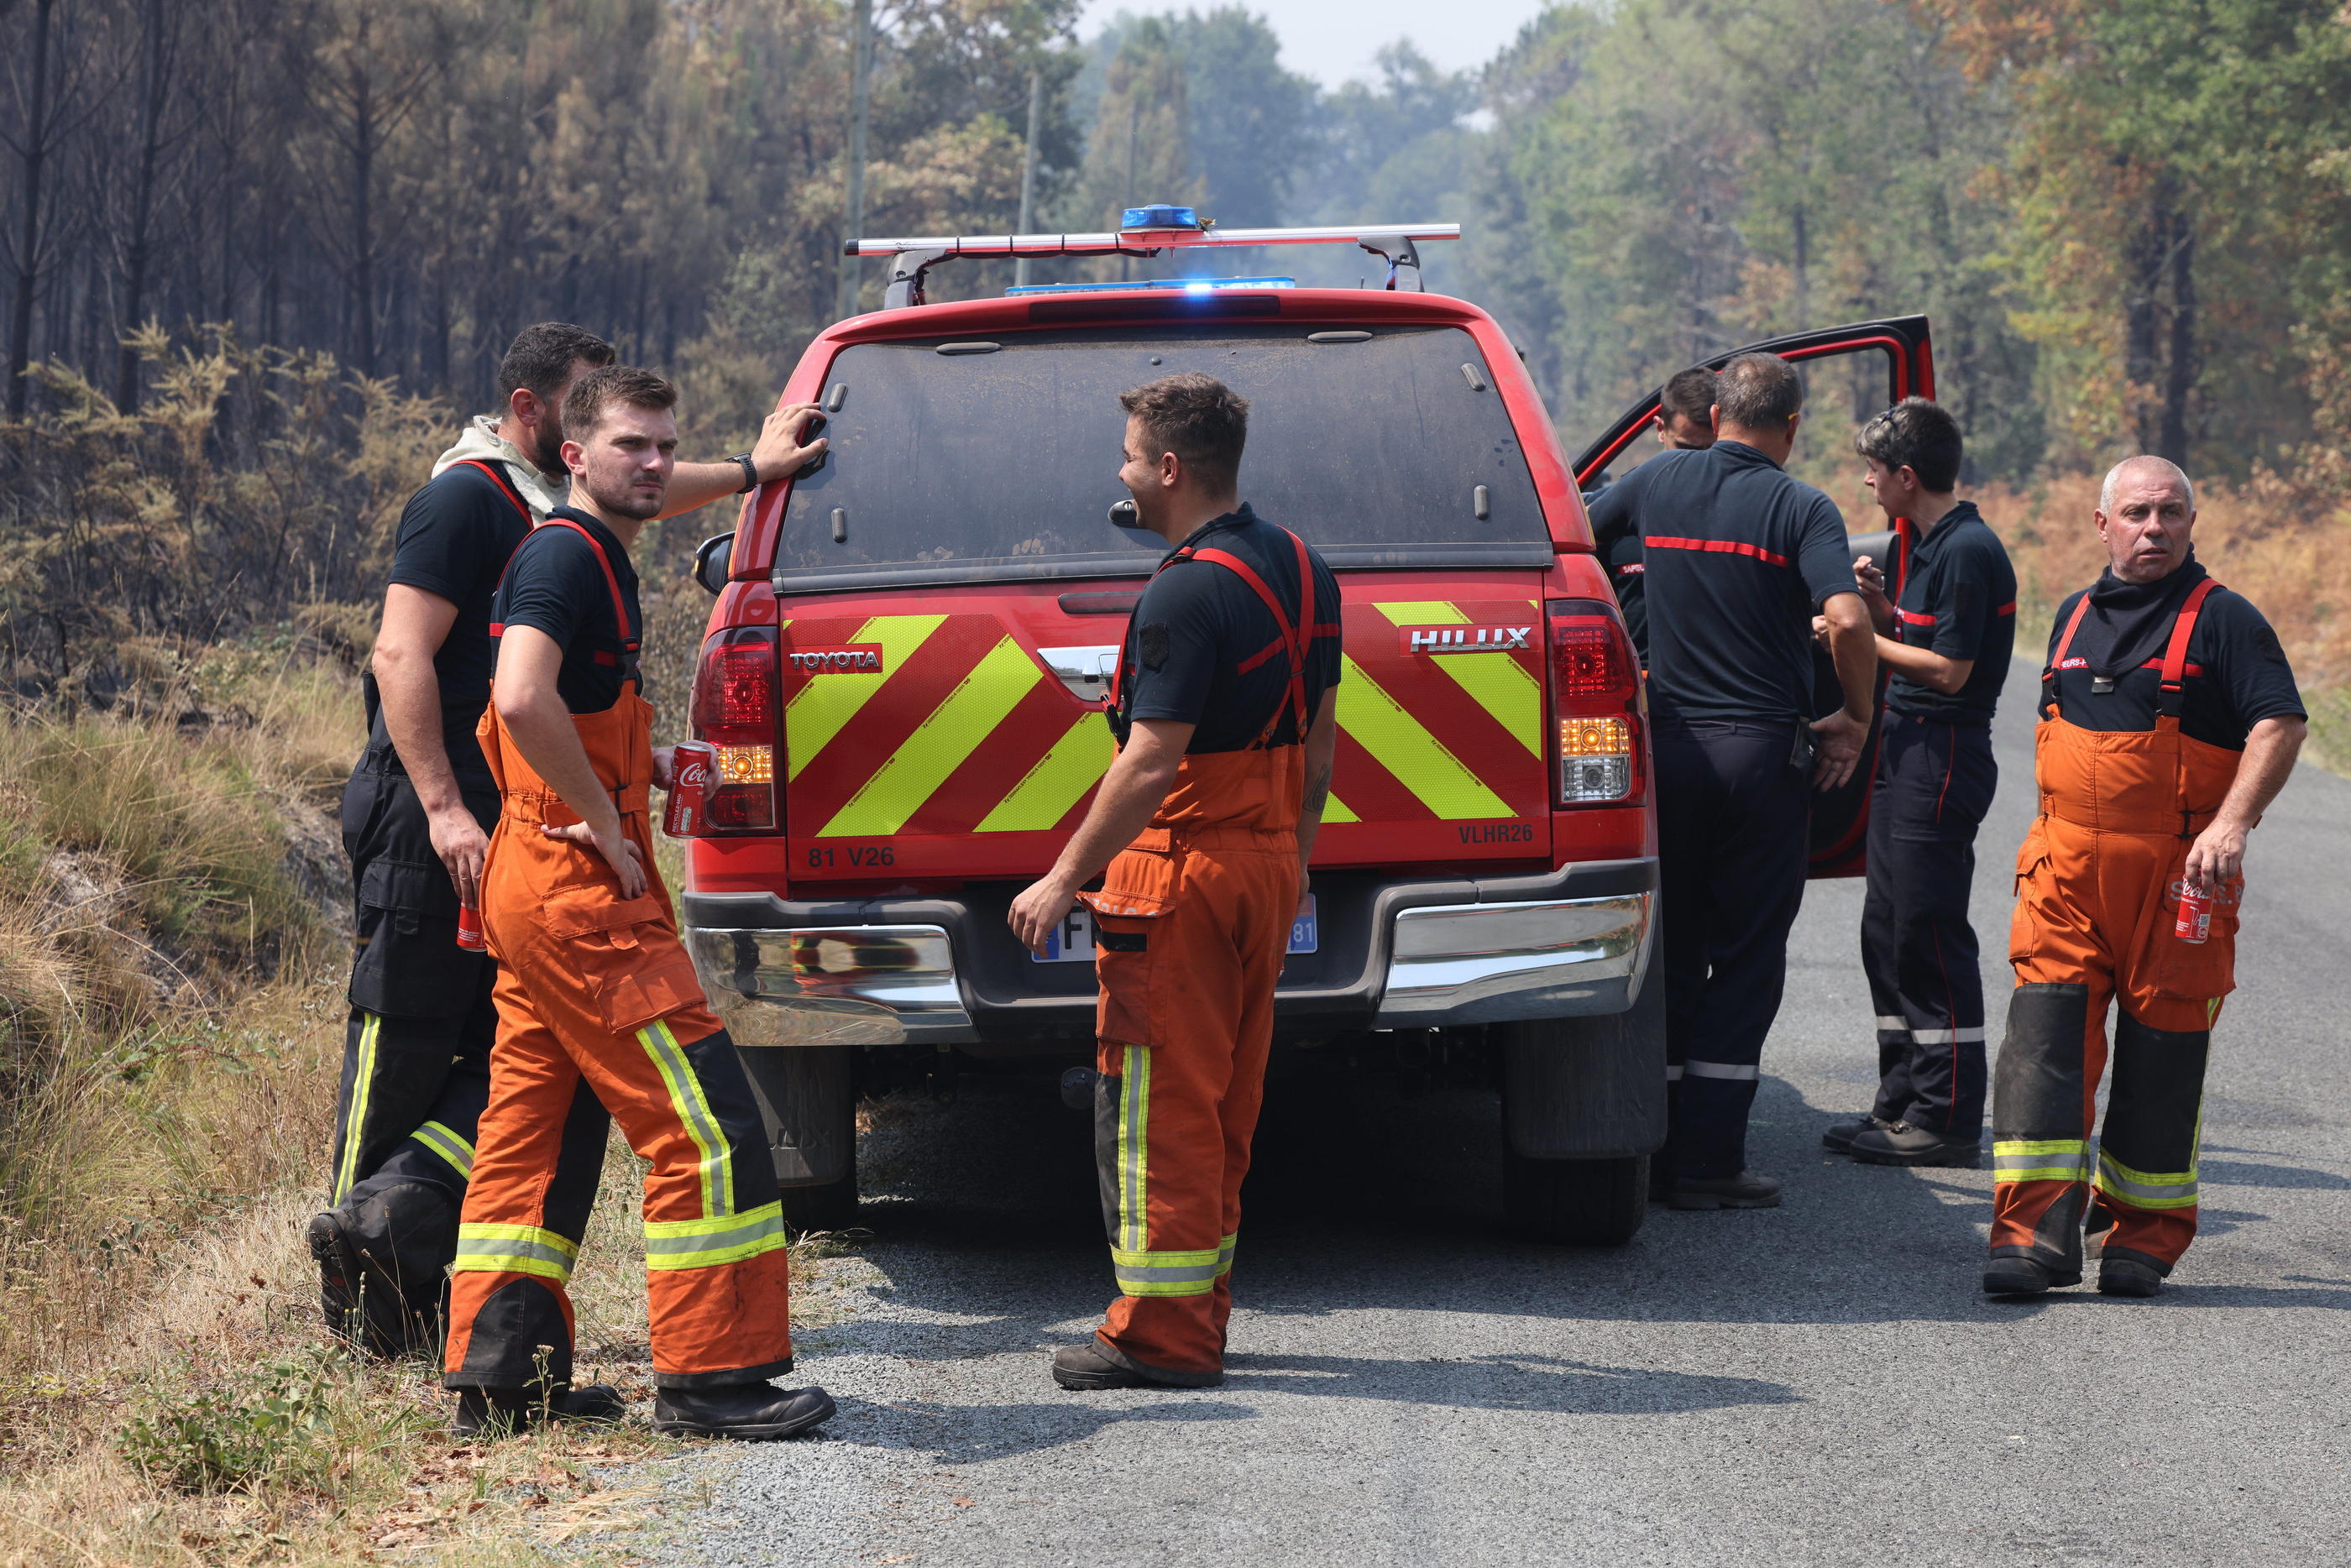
1072 941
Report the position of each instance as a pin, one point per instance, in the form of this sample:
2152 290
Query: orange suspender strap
2049 705
506 485
2175 654
611 584
1292 637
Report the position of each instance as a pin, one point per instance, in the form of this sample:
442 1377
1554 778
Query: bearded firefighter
2170 720
1205 823
599 1007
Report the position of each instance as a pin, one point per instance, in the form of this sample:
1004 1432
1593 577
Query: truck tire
1583 1104
808 1097
1577 1202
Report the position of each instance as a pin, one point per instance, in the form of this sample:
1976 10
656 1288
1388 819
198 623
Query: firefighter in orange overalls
599 1007
1205 822
2169 722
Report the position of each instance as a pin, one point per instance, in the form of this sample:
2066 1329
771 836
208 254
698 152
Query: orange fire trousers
599 1007
2098 884
1191 926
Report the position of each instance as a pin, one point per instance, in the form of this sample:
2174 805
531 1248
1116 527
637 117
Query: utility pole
1029 172
860 96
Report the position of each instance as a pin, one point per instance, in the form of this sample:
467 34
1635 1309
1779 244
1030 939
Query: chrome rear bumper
1395 955
1492 963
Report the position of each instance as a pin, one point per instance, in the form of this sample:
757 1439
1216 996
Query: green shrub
274 1427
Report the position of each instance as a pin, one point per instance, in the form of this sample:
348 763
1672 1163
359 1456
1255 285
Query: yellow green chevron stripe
824 704
1335 810
1076 762
938 746
1496 681
1403 747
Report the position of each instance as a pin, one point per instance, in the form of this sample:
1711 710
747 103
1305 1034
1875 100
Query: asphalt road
1817 1385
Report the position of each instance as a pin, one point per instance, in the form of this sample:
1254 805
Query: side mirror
713 560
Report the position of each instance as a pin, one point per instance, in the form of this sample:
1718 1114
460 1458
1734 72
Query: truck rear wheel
1582 1101
1579 1202
808 1097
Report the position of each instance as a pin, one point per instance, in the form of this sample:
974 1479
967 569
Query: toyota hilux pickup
907 663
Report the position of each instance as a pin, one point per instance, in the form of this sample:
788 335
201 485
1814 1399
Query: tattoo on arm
1318 790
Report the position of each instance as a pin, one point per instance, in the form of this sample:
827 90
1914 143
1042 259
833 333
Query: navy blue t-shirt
1202 648
1959 600
2236 676
556 586
455 538
1737 557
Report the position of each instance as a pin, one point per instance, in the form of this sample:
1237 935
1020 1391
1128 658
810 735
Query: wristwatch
751 473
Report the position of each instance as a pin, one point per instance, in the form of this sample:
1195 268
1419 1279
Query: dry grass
2283 547
172 926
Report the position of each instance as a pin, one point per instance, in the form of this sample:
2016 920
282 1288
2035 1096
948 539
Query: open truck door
1841 816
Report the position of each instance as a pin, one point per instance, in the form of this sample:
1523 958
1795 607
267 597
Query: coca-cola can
2195 923
695 771
469 928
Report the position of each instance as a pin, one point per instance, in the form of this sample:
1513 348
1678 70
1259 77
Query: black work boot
339 1275
2018 1275
1899 1142
1839 1136
2123 1276
509 1412
755 1411
1744 1190
1082 1368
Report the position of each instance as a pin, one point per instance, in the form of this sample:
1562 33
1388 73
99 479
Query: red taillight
1595 701
734 710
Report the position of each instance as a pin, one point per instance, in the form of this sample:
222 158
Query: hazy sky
1332 40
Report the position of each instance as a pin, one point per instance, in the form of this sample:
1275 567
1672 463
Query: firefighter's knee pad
2157 1101
2037 1084
405 1233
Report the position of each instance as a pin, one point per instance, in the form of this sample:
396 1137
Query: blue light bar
1179 284
1159 216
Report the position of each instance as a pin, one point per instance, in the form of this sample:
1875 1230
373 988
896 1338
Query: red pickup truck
905 670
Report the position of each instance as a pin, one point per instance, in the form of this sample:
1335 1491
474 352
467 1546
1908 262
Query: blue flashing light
1193 285
1159 217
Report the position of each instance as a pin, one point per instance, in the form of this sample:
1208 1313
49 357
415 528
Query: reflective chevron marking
825 703
1076 762
1495 682
938 746
1402 744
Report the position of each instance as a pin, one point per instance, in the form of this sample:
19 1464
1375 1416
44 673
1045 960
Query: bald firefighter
1205 823
2170 720
599 1007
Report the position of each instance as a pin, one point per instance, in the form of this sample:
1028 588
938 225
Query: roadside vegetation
183 709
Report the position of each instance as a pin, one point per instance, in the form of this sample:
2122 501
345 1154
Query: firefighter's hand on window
618 850
1839 738
2216 857
783 445
1040 906
664 767
460 843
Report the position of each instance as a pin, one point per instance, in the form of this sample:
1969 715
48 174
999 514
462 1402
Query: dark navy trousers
1734 805
1933 783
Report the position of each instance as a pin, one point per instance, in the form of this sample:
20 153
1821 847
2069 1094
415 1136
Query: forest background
259 258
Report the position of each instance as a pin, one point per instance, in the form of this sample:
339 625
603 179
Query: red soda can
469 928
695 770
2195 923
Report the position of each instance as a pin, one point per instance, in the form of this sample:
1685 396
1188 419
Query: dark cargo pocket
633 965
409 963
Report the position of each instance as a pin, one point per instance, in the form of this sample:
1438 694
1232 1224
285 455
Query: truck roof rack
1397 244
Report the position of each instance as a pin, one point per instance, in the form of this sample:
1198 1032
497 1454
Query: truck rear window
961 460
